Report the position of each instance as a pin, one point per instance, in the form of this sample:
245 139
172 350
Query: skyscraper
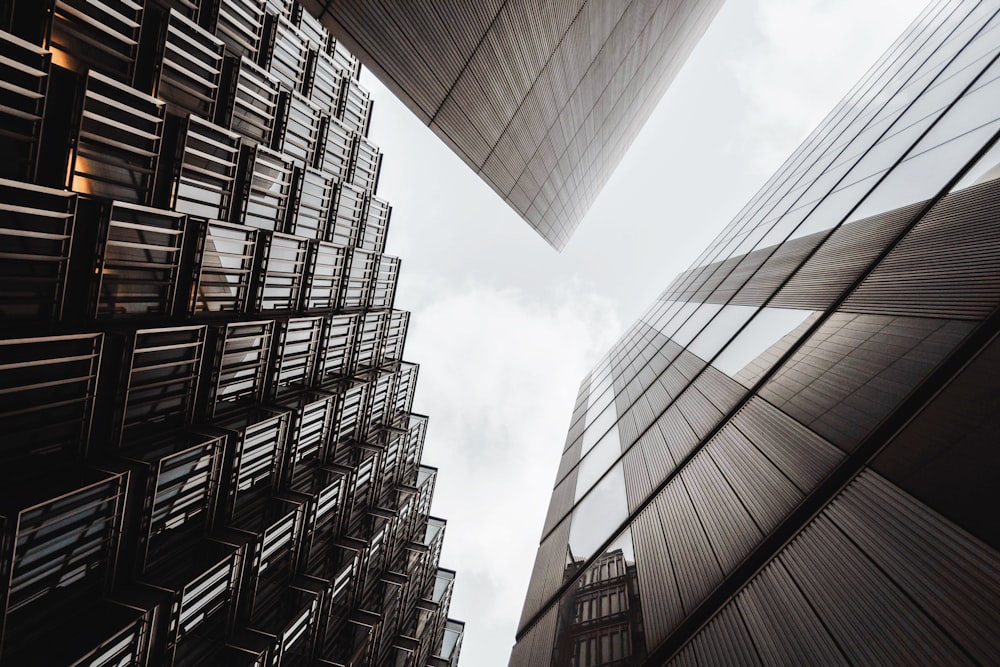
208 453
541 98
795 447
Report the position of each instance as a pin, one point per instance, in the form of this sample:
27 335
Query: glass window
924 174
768 327
599 427
597 461
987 168
598 514
720 330
694 324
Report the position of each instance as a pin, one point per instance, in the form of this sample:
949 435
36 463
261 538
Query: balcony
36 228
138 263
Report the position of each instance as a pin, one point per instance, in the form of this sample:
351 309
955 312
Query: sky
504 327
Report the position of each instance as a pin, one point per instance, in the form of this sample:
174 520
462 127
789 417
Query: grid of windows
724 446
195 469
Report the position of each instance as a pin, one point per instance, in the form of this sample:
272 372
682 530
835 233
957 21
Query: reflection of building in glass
208 454
540 98
600 620
798 438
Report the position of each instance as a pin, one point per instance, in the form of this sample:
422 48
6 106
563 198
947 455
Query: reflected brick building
795 447
541 98
208 453
602 617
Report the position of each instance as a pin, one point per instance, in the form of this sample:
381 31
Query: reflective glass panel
767 328
604 453
598 514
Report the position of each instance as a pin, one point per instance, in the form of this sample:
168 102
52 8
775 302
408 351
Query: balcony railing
118 143
24 82
223 268
36 231
139 261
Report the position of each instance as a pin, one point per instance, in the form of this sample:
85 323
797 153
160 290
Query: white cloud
794 76
499 372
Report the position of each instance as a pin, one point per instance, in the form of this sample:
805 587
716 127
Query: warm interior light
62 58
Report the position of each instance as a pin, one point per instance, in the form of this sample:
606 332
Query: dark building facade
795 448
207 448
541 98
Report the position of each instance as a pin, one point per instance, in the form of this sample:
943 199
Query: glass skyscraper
207 448
791 458
541 98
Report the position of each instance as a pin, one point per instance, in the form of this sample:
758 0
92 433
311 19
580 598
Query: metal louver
206 173
251 102
384 286
223 268
178 482
138 266
326 269
268 183
36 229
324 84
345 226
239 24
118 143
243 352
283 274
376 225
24 80
65 542
371 337
316 193
96 35
300 128
334 157
358 279
344 58
48 386
337 355
190 68
298 354
289 56
162 369
355 107
367 160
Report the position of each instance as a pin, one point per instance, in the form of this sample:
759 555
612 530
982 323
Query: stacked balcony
209 453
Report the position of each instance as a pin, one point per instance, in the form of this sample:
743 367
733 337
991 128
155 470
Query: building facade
208 453
795 447
541 98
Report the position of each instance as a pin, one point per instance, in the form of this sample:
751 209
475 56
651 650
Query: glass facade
744 467
209 454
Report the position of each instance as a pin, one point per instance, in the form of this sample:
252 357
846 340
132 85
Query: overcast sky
504 328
